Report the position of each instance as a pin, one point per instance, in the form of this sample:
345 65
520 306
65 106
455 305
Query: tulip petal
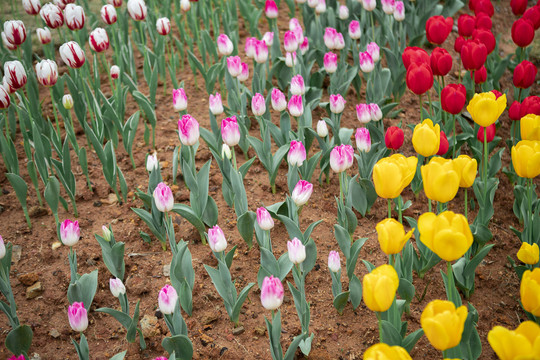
436 333
450 245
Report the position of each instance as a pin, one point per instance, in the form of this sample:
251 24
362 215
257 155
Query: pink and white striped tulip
137 9
6 86
296 106
343 12
271 9
163 26
330 38
234 66
6 42
15 74
188 130
163 197
334 263
369 5
374 51
298 34
341 158
3 248
261 52
294 23
70 232
249 48
339 42
15 32
297 85
225 45
399 11
366 62
216 239
388 6
72 54
114 72
5 101
47 72
108 14
44 35
362 113
264 220
279 103
52 15
330 62
363 140
337 104
321 7
297 153
31 7
74 17
290 42
302 192
296 251
179 99
230 132
167 299
375 112
304 46
258 105
115 3
67 102
78 317
271 293
117 287
216 106
268 38
322 129
99 40
152 162
290 59
244 73
354 30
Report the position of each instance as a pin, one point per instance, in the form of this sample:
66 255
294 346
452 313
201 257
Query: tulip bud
44 35
99 40
72 54
279 103
514 110
363 113
108 14
443 145
67 102
391 235
374 51
261 52
230 132
443 323
137 9
466 25
5 85
152 162
322 129
271 293
366 62
117 287
295 106
399 11
78 317
426 138
329 38
397 168
114 72
333 261
533 15
466 169
330 62
185 5
47 72
490 131
31 7
234 65
6 43
297 153
249 48
440 62
296 250
290 59
290 42
258 105
5 101
473 55
163 26
321 7
337 104
304 46
180 101
480 76
525 155
163 197
52 15
264 220
527 253
15 32
2 248
69 232
294 23
369 5
388 6
440 171
302 192
268 38
244 73
225 45
363 140
15 74
226 151
393 138
312 3
60 3
438 28
74 17
522 32
414 55
297 85
375 112
343 12
355 31
529 105
188 130
384 351
530 283
216 106
524 74
115 3
379 288
107 234
341 158
167 299
216 239
419 78
271 9
453 98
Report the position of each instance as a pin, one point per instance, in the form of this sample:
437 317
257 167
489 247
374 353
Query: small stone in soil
208 319
56 245
37 211
97 203
223 349
28 279
54 333
16 254
167 270
259 330
150 327
205 339
239 330
34 291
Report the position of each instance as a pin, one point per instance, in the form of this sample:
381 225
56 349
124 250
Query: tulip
179 99
330 62
163 26
375 112
47 72
483 22
261 52
2 248
31 7
343 12
522 32
426 138
363 140
388 6
330 38
268 38
440 61
379 288
163 197
106 233
295 106
522 343
438 28
526 158
533 15
485 37
466 25
114 72
137 9
72 54
14 73
69 232
374 51
530 105
279 102
52 15
513 111
383 351
7 44
441 180
524 74
530 291
296 251
483 6
530 127
152 162
244 73
443 324
337 104
419 78
399 11
369 5
250 47
393 174
290 59
264 220
234 66
485 108
216 106
333 261
226 151
473 55
490 131
414 55
466 169
302 192
528 253
78 317
392 236
74 17
225 45
15 32
322 129
60 3
167 299
271 293
4 98
216 239
108 14
363 113
366 62
341 158
230 133
188 130
453 97
289 42
115 3
297 153
298 34
271 9
99 40
67 102
294 23
304 46
258 105
117 287
44 35
297 85
321 7
354 30
394 138
185 5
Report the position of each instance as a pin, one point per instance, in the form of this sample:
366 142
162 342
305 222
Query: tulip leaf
245 224
19 339
84 289
187 213
390 335
410 340
180 345
240 301
340 301
355 288
119 356
121 317
291 226
406 290
310 229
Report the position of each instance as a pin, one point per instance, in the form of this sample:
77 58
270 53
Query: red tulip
523 32
438 28
443 145
413 54
480 76
466 25
490 132
419 78
440 61
524 74
530 105
394 137
484 6
497 93
473 55
453 98
485 37
458 44
483 22
518 6
513 111
533 14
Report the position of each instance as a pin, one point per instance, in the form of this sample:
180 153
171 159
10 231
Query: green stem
421 108
530 190
234 159
429 204
372 26
389 208
430 103
485 162
466 204
400 203
379 320
455 138
341 187
451 285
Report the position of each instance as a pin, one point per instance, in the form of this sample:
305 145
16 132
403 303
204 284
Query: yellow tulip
443 324
528 254
392 174
485 108
426 138
526 158
379 288
522 343
383 351
530 291
441 180
466 169
448 234
391 235
530 127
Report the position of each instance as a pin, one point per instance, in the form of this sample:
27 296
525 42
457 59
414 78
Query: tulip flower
355 31
4 98
443 146
296 106
115 3
528 254
448 234
440 62
522 343
334 262
44 35
399 11
117 287
524 74
224 45
490 133
513 111
137 9
271 293
290 59
179 99
419 78
294 23
302 192
379 288
31 7
163 26
14 74
67 102
216 239
261 52
2 248
518 6
297 85
185 5
15 32
438 28
485 108
72 55
473 55
393 174
271 9
526 158
330 62
426 138
258 105
388 6
485 37
369 5
466 169
279 102
343 12
289 42
114 72
466 25
329 38
234 66
52 15
440 179
167 299
74 17
337 104
394 137
108 14
375 112
483 6
363 113
453 97
78 317
215 104
414 55
69 232
297 153
443 324
480 76
392 236
47 72
322 129
530 105
163 197
530 291
341 158
230 133
383 351
296 251
268 38
363 140
533 15
99 40
264 220
373 49
523 32
321 7
483 22
366 62
244 72
6 43
152 162
249 48
188 130
530 127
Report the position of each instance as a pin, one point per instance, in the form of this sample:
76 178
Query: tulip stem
466 204
389 208
234 159
485 162
430 103
379 320
400 203
455 138
372 25
451 284
429 204
530 190
54 111
421 108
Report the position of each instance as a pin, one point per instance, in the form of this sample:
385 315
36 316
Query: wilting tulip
72 54
279 102
330 62
290 59
14 74
108 14
392 236
167 299
322 129
523 32
528 253
419 78
52 15
271 293
31 7
99 40
290 42
137 9
473 55
78 317
363 140
74 17
526 158
343 12
271 9
392 174
530 127
379 288
215 104
334 262
297 85
44 35
296 251
363 113
225 45
466 169
522 343
355 31
302 192
67 102
264 220
297 153
15 32
524 74
440 61
69 232
180 100
163 26
466 25
230 133
117 287
375 112
268 38
490 132
366 62
373 50
4 98
2 248
152 162
530 291
399 11
47 72
414 55
341 158
216 239
440 179
337 104
114 72
234 65
295 106
394 137
453 98
443 324
438 28
485 108
426 138
383 351
261 52
163 197
244 72
188 130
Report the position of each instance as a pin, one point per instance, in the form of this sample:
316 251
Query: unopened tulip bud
366 62
330 62
216 106
106 233
399 11
31 7
15 32
226 151
313 3
321 7
375 112
296 106
369 5
69 232
115 71
78 317
339 42
244 73
302 192
115 3
249 48
290 59
137 9
163 26
234 66
44 35
271 9
296 251
108 14
99 40
188 130
290 42
297 85
47 72
297 153
74 17
279 103
185 5
363 140
180 101
2 248
363 113
337 104
230 132
5 101
264 220
388 6
343 12
52 15
268 38
355 31
67 102
258 105
225 45
72 54
330 38
261 52
394 138
15 74
117 287
152 162
167 299
374 51
163 197
304 46
322 128
334 263
216 239
271 293
341 158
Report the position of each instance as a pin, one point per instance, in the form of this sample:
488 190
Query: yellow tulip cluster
426 138
443 324
526 158
522 343
392 174
530 291
485 108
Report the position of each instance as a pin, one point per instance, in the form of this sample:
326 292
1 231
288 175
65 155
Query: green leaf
340 301
390 335
411 339
121 317
245 224
180 345
355 289
84 289
18 340
240 301
119 356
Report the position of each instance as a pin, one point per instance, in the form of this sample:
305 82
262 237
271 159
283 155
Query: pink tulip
117 287
302 192
69 232
294 23
343 12
362 113
297 85
163 26
161 358
271 293
329 38
322 129
330 62
47 72
163 197
78 317
304 46
230 133
333 261
388 6
298 34
258 105
15 74
363 140
261 52
20 357
296 250
115 3
341 158
271 9
114 72
290 59
44 35
74 17
137 9
339 42
72 54
31 7
375 112
179 99
337 104
4 98
354 30
99 40
225 45
264 220
108 14
244 73
268 38
216 239
296 106
167 299
15 32
3 246
313 3
297 153
321 7
234 65
52 15
249 48
216 106
290 42
279 103
374 51
188 130
399 11
366 62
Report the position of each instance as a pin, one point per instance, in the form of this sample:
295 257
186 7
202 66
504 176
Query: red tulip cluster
419 77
